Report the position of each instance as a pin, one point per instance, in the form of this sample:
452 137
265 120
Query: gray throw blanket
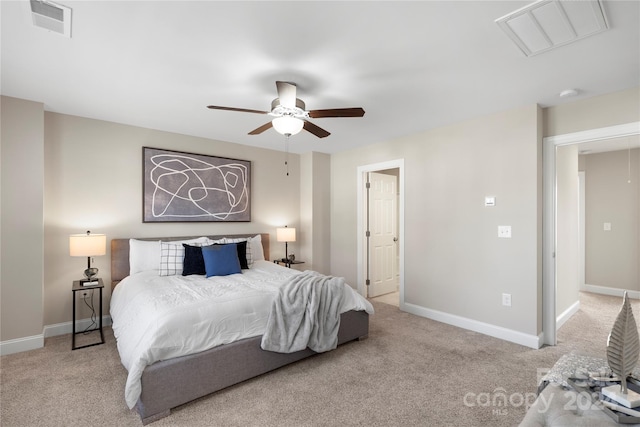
306 313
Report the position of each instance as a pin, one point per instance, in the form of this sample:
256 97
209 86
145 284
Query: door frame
361 223
582 250
549 146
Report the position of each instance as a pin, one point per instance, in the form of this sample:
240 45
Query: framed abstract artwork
187 187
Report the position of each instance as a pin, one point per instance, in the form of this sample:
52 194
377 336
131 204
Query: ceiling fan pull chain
286 153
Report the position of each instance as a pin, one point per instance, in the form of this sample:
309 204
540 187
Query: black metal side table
287 262
77 287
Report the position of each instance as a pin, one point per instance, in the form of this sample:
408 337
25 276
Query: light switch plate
504 231
489 201
607 226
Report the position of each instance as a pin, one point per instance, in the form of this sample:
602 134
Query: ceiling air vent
51 16
547 24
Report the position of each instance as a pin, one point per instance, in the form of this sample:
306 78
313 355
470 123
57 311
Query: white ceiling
412 66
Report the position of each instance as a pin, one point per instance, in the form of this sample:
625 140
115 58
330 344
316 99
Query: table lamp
88 245
286 235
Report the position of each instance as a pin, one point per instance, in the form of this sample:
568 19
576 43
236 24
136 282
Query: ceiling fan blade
337 112
287 94
316 130
242 110
261 129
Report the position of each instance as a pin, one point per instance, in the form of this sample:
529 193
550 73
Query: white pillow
144 255
257 252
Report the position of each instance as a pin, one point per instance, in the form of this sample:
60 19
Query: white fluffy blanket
306 313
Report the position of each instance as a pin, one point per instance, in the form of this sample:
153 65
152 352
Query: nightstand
287 263
77 287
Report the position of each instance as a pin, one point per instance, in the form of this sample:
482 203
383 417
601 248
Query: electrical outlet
82 294
504 231
506 300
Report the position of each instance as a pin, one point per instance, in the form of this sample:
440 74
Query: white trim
566 315
360 226
34 342
66 327
19 345
590 135
531 341
582 254
549 145
549 243
615 292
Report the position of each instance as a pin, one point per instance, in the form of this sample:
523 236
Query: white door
383 241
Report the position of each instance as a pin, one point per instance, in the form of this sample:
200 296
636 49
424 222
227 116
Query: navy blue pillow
221 260
193 261
242 253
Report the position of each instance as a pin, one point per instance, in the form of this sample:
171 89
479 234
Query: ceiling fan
290 116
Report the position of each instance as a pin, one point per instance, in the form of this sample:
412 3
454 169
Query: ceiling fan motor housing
299 111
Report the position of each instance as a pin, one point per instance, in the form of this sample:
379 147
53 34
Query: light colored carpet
392 298
411 371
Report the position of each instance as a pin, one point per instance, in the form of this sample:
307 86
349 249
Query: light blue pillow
221 260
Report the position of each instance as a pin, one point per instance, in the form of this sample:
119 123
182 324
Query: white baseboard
603 290
531 341
19 345
566 315
66 327
37 341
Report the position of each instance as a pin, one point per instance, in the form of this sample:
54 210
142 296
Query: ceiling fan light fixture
290 116
287 125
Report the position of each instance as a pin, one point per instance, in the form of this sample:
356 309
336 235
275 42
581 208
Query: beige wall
93 181
92 175
612 257
22 271
315 169
454 261
567 234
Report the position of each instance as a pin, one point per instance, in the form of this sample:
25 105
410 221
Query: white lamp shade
286 234
87 245
287 125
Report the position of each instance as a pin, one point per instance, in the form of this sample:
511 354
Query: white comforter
157 318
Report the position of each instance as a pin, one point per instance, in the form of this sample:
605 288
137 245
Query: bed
173 381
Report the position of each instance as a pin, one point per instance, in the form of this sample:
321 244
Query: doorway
550 144
391 273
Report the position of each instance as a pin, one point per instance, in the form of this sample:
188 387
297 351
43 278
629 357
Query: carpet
411 371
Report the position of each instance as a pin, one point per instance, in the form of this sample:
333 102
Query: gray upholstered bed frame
173 382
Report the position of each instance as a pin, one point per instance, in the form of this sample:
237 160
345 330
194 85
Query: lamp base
90 273
90 277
